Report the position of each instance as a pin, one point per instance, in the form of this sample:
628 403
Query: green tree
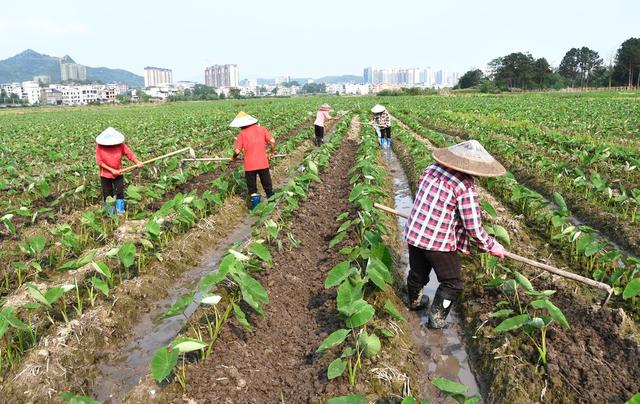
628 61
569 66
588 61
234 93
471 78
541 69
313 88
514 70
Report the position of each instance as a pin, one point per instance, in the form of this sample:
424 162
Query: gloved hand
497 250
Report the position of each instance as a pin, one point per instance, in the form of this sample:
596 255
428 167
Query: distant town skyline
285 38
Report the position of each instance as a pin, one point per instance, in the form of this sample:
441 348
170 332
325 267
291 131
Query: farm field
191 297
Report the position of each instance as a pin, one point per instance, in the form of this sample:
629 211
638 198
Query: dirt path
278 361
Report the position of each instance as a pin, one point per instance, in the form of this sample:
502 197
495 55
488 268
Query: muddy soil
278 361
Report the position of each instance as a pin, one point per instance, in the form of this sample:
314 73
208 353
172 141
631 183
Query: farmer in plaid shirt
444 218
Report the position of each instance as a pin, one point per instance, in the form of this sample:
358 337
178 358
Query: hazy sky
269 38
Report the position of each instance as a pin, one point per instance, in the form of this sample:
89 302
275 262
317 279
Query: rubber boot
439 310
120 206
255 200
388 143
269 195
108 209
381 142
416 299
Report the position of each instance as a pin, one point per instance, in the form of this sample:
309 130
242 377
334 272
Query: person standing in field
110 149
444 218
252 141
382 121
321 116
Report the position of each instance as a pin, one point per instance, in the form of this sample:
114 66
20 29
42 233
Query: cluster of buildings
34 92
410 77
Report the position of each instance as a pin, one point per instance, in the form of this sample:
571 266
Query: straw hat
471 158
378 109
242 119
325 107
110 137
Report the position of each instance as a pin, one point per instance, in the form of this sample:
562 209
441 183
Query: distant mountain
25 65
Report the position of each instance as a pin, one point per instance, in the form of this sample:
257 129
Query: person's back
253 140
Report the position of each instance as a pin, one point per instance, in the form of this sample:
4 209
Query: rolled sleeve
469 211
127 152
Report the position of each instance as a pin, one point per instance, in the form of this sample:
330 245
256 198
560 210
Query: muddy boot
255 200
416 300
439 310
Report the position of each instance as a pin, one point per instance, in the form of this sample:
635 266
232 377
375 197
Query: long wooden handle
222 158
155 159
545 267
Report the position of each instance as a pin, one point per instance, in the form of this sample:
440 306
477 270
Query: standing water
440 352
123 371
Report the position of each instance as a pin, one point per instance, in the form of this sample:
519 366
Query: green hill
25 65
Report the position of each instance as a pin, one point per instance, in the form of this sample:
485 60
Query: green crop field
192 296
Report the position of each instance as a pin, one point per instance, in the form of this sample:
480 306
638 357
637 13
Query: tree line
580 67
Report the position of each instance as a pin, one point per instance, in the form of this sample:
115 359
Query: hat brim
378 110
242 122
112 140
468 166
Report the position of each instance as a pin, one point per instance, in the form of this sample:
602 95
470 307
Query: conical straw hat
378 109
471 158
242 119
325 107
110 137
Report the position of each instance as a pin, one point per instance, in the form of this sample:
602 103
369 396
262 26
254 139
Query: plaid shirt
382 120
445 213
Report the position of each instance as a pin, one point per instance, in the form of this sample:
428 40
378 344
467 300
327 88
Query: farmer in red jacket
253 140
444 218
109 151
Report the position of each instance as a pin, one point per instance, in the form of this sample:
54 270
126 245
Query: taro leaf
187 344
53 294
344 226
523 281
391 309
502 235
475 399
559 201
8 319
76 399
239 256
252 291
408 400
153 228
37 244
381 252
347 294
372 346
495 282
163 363
44 187
337 239
554 311
102 269
127 254
37 295
362 311
260 251
241 317
211 279
512 323
378 273
449 387
211 300
342 216
352 399
334 339
338 274
632 289
634 400
489 209
100 285
536 322
336 368
178 307
501 313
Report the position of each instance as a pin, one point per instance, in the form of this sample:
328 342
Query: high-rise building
428 79
367 75
222 76
72 71
157 76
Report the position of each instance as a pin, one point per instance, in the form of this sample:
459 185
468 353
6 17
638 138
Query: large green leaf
179 306
241 317
37 295
101 285
523 281
512 323
127 254
187 344
391 309
632 289
334 339
449 386
71 398
252 291
163 363
553 310
378 273
348 293
338 274
260 251
37 243
352 399
362 311
336 368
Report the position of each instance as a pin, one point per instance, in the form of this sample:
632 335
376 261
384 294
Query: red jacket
112 156
253 141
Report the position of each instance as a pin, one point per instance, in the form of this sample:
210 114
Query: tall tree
470 79
569 65
588 61
541 70
514 70
628 58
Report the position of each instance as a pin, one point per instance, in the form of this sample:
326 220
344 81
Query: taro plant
49 298
455 390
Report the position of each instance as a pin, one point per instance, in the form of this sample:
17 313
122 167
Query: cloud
42 26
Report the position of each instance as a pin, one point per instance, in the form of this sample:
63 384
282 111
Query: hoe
533 263
144 163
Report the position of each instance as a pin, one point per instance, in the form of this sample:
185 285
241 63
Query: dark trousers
445 264
112 187
265 180
319 130
385 133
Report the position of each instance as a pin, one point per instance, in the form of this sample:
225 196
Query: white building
157 76
72 71
222 76
12 88
31 92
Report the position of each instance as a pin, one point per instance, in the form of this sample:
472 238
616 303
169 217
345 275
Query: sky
297 38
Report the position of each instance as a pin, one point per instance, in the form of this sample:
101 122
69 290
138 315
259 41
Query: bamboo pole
189 149
545 267
222 158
